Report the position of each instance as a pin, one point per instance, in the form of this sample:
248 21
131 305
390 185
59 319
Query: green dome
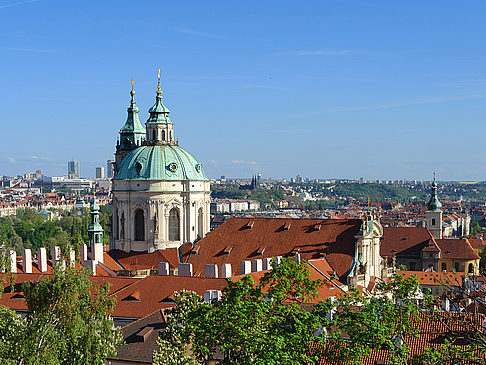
166 162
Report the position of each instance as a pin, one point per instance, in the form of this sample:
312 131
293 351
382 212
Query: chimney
226 271
446 304
91 266
13 261
83 253
267 264
71 256
27 261
212 295
257 265
42 259
211 271
97 252
163 268
56 254
185 269
297 258
245 267
143 334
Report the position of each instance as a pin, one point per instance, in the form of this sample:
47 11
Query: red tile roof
143 261
147 294
457 249
435 278
405 241
476 243
335 240
329 288
431 333
150 293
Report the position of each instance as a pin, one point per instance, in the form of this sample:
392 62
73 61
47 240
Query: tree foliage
68 322
28 230
274 322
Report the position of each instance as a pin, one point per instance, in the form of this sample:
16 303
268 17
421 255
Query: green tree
476 229
273 322
68 322
252 324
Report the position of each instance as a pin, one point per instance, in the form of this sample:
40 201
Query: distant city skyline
379 90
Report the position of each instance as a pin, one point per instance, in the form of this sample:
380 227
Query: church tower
95 231
434 213
132 134
161 194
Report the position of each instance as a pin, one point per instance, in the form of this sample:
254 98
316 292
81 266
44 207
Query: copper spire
159 91
132 93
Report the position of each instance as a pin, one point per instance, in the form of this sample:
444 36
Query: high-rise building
100 172
73 169
109 168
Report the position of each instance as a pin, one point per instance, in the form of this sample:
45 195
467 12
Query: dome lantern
160 129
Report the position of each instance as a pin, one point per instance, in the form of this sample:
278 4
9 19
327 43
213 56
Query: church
161 194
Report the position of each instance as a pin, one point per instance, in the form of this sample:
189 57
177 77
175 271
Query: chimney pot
42 259
27 261
245 267
257 265
163 268
211 271
226 271
185 269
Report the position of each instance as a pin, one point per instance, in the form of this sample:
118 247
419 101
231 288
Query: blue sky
328 89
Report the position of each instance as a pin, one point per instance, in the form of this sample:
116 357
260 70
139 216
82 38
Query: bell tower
95 231
434 213
132 134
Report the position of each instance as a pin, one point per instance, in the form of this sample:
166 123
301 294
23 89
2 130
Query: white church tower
434 213
160 191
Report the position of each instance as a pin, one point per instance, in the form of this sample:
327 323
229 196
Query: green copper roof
133 125
166 162
434 204
159 113
95 225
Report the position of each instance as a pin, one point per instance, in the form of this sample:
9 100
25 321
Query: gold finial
159 91
132 92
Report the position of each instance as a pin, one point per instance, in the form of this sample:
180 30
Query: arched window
470 269
154 134
139 225
174 225
200 223
163 135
